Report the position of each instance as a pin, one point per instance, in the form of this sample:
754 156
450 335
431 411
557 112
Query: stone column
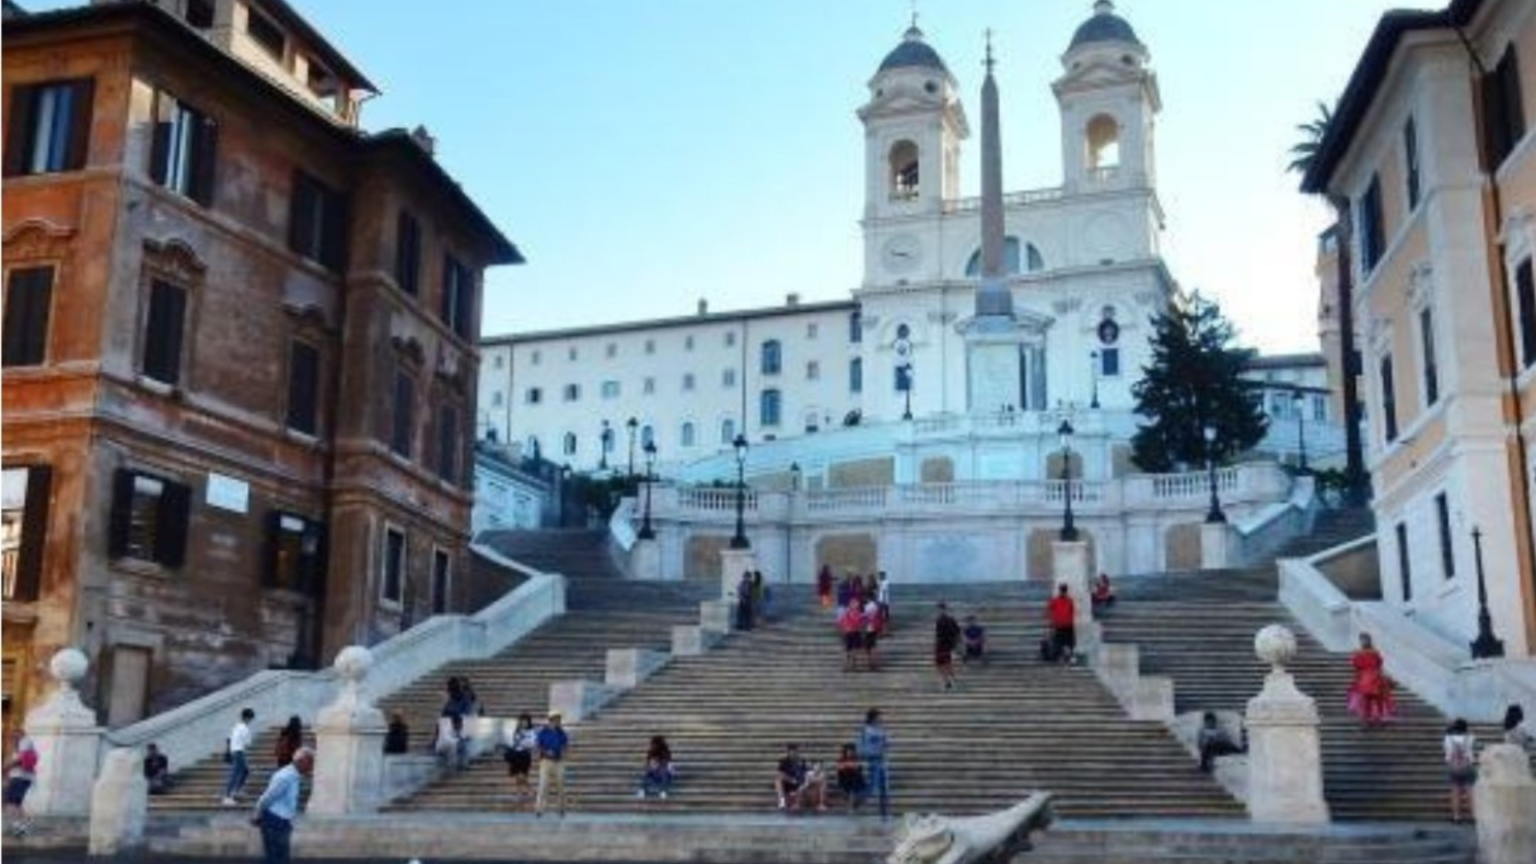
1504 800
68 742
119 803
1285 761
349 743
734 562
646 559
1069 566
1213 545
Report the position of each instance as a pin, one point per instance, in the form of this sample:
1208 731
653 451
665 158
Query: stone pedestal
349 744
1213 545
691 640
119 803
645 560
578 699
1069 567
1285 760
68 743
717 616
1504 800
734 562
627 667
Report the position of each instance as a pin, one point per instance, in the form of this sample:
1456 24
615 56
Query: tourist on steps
883 597
235 746
974 639
744 601
1103 595
1370 694
872 629
850 777
824 586
518 745
157 770
452 744
1214 741
1061 612
851 624
552 743
1516 731
797 784
946 638
289 739
656 779
278 806
1461 767
873 744
20 774
397 739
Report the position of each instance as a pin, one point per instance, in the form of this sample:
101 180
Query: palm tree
1303 156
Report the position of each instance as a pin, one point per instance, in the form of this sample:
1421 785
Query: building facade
1431 148
239 352
1081 262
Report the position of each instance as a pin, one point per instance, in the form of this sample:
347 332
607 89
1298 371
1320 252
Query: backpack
1460 755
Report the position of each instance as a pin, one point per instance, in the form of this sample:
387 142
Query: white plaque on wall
227 493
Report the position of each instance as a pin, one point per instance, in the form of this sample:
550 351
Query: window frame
402 428
172 514
399 577
317 221
771 357
450 443
1447 541
23 345
442 580
770 408
408 253
1387 383
294 409
154 353
183 153
1412 178
1370 217
67 148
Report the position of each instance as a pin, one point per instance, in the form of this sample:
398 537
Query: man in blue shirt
552 743
873 742
279 805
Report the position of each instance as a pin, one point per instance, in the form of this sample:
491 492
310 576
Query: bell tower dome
1109 101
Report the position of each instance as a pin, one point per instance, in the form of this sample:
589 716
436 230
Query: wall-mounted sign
227 493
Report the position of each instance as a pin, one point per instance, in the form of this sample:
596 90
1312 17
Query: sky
644 155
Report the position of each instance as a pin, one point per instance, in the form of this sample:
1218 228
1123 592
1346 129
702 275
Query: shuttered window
1373 238
27 491
183 152
148 519
317 222
404 416
458 297
1388 401
50 126
303 386
1525 298
392 583
28 301
163 332
448 444
1503 109
295 552
440 575
407 253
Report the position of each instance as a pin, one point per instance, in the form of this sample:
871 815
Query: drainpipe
1509 367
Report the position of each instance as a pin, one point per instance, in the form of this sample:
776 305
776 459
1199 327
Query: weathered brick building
239 352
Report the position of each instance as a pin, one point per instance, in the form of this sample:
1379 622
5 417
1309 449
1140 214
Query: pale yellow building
1432 149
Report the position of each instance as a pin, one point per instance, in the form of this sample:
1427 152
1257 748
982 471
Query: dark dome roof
1104 26
913 52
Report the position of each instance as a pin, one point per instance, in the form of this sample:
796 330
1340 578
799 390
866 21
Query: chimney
703 306
424 140
792 299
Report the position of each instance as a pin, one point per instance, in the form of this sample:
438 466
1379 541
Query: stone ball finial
1275 645
68 666
353 663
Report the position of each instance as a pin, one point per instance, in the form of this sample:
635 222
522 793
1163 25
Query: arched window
570 444
773 357
1103 142
904 172
1011 258
687 434
769 406
727 431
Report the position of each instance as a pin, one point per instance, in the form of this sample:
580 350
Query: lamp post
739 541
564 487
1298 402
1068 530
1214 514
903 348
1093 368
631 424
794 476
646 532
605 442
1486 644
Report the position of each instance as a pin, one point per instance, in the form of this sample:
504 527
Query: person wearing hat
552 742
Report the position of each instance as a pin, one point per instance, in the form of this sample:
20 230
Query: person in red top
1062 613
1370 695
851 624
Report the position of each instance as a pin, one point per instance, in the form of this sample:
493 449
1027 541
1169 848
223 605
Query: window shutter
312 563
466 302
206 149
1514 107
301 214
303 378
333 226
18 136
122 506
162 342
160 141
80 124
272 544
34 532
27 303
445 300
171 539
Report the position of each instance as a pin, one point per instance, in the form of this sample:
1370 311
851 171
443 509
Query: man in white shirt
239 768
279 806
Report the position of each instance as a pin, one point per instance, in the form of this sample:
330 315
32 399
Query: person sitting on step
850 777
797 784
975 640
1103 595
657 777
1214 741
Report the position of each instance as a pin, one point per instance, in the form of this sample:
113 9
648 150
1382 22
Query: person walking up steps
289 739
20 774
1461 767
946 638
1061 612
873 745
824 586
851 625
236 745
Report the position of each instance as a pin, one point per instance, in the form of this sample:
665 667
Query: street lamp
1093 368
646 532
903 348
1215 514
565 492
740 540
1486 644
1068 530
1298 401
631 424
605 443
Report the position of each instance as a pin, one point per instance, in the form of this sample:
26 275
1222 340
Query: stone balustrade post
733 563
1504 800
1069 566
119 803
68 742
1285 761
645 559
349 743
1214 540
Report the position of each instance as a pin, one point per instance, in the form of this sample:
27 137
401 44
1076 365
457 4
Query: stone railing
1011 199
712 499
1193 484
192 731
1257 538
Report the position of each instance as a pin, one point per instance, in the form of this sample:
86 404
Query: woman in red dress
1370 696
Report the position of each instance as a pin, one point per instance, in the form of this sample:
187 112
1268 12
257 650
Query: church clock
902 253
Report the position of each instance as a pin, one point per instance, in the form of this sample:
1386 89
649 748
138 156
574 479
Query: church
987 322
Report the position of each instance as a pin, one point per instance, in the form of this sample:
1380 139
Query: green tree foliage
1194 380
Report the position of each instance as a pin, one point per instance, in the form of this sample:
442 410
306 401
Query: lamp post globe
646 531
1068 528
631 424
1215 514
739 540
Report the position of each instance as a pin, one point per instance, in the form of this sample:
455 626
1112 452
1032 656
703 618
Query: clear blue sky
646 154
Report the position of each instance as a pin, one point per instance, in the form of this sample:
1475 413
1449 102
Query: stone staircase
1012 726
1331 528
603 611
1206 647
